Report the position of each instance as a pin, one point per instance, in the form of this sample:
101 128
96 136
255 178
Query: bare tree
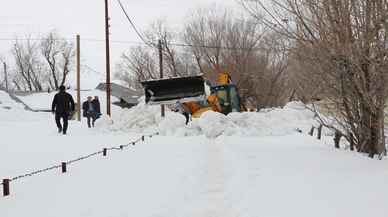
244 48
59 56
137 65
28 65
216 40
343 43
142 62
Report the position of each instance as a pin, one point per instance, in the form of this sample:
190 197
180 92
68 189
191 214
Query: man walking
62 106
89 111
97 108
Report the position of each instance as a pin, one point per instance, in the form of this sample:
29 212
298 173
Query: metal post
78 78
108 85
311 133
162 109
5 187
64 169
319 136
104 151
6 76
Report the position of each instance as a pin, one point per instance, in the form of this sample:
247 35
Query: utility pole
162 110
108 85
5 76
78 78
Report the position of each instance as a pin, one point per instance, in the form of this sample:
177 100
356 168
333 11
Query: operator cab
228 98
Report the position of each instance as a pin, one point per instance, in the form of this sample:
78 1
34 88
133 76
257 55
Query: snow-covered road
170 176
230 176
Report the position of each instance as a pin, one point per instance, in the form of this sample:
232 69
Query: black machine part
173 90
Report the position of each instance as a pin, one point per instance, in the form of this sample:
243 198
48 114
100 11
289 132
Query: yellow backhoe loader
195 94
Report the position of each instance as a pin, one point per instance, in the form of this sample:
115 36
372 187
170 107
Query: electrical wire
70 39
131 42
133 25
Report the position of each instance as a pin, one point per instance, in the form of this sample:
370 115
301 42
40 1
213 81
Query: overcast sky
86 17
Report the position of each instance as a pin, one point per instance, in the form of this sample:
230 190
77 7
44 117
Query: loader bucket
173 90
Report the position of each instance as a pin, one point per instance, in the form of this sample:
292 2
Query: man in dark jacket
97 107
62 106
90 111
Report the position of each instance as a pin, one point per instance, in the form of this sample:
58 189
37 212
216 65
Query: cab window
235 100
222 96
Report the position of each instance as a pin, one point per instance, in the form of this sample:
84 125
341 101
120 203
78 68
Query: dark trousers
91 117
65 118
187 116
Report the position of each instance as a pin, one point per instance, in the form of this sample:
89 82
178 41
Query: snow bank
277 121
6 103
11 111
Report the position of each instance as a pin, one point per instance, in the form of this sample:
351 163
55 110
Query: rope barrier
5 182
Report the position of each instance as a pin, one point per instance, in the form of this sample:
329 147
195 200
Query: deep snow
273 122
264 172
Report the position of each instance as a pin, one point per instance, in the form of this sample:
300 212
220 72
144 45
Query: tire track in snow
216 188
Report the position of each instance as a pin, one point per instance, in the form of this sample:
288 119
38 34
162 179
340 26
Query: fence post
121 147
337 139
142 138
133 143
64 169
5 187
320 132
104 151
311 133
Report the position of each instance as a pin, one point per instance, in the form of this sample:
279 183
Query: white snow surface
6 103
275 122
273 172
42 101
13 111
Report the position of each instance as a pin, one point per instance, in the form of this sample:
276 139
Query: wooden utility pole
162 110
5 76
78 78
108 85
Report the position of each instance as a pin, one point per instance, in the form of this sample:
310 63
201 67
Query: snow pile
137 119
214 124
277 121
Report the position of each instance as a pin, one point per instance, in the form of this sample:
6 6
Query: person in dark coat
62 106
89 111
97 107
181 108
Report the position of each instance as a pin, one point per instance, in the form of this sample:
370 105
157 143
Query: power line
71 39
131 42
210 47
174 44
132 24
